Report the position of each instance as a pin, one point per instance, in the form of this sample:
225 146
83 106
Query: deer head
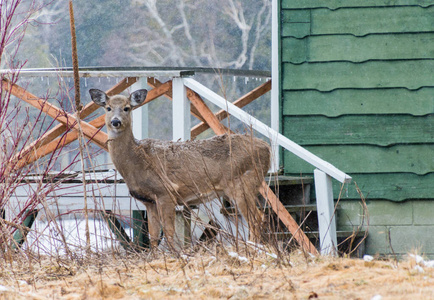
118 109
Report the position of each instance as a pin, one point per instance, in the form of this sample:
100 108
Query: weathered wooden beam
240 102
287 219
49 142
206 113
34 150
87 110
63 117
155 83
265 190
37 153
152 95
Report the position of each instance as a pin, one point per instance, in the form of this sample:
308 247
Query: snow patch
4 288
368 258
235 255
421 262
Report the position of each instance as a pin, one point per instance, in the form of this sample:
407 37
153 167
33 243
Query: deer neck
121 146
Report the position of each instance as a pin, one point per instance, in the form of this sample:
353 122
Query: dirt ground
220 274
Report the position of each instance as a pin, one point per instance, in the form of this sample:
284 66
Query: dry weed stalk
78 108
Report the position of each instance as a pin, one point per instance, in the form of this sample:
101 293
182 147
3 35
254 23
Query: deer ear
138 97
98 96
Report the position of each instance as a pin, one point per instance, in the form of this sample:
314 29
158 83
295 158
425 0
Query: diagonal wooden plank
206 113
55 144
153 94
240 102
155 83
287 219
87 110
63 117
34 153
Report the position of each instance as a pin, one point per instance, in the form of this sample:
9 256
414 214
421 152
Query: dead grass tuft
204 275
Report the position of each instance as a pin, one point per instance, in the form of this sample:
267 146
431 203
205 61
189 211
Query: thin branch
261 26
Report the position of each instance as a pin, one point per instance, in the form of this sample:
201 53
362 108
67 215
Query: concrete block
423 212
405 239
349 213
390 213
377 241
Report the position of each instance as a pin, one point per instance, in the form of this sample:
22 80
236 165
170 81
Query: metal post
180 111
140 229
326 217
20 234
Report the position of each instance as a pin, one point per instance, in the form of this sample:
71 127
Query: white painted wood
180 111
70 196
275 83
140 114
267 131
326 213
83 74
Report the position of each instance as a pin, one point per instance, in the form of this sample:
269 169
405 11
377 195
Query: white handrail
273 135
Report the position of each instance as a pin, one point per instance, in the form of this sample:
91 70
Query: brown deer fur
163 174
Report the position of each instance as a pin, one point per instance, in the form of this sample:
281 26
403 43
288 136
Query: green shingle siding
411 74
358 22
361 159
358 90
336 4
361 102
358 129
355 49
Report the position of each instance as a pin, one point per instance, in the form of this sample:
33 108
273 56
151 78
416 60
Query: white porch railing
323 173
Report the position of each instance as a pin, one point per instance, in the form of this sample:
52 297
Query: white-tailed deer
163 174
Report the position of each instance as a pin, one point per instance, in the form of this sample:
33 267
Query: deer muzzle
116 123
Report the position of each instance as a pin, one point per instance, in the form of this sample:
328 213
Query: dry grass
216 274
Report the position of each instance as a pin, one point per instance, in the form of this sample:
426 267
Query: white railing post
140 114
180 111
275 83
326 216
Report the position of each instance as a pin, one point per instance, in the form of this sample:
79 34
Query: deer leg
245 200
167 213
154 225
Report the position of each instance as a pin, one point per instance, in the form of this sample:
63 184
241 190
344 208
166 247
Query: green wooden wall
357 89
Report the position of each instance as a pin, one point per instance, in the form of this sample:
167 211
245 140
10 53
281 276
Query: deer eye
108 108
126 108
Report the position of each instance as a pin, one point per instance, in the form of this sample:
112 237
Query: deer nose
116 123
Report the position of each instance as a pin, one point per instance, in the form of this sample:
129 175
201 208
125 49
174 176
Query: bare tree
14 20
213 33
18 126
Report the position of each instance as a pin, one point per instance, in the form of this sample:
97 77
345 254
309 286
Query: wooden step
296 208
315 234
290 208
287 180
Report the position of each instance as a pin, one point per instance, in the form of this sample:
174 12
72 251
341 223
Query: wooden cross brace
60 135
